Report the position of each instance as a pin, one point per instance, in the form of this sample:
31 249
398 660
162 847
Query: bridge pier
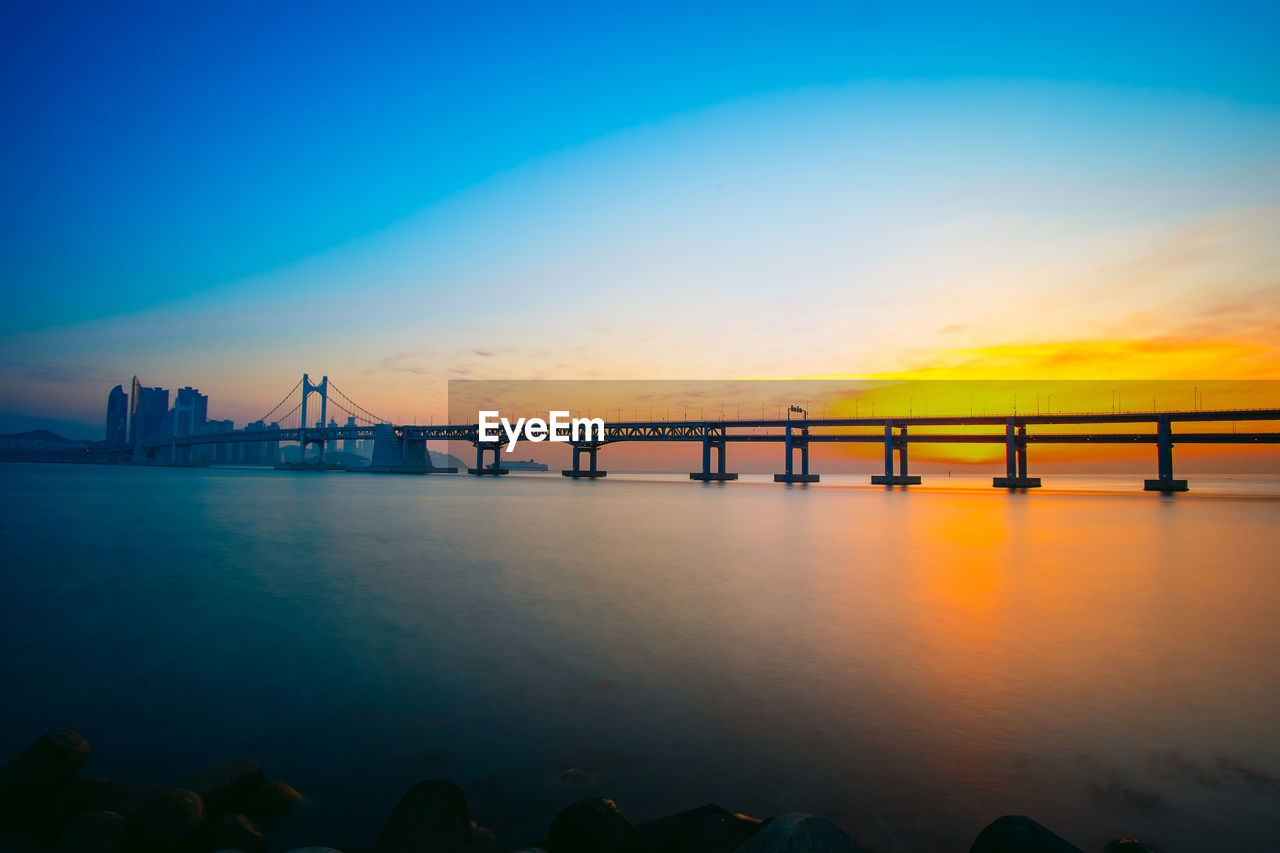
792 444
496 468
902 478
1015 461
416 459
302 464
706 474
577 472
1164 461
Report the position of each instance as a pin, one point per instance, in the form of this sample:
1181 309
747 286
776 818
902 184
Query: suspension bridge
402 448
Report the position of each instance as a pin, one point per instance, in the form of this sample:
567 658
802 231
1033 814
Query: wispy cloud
401 362
54 371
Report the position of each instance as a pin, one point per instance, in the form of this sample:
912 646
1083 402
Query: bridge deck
820 429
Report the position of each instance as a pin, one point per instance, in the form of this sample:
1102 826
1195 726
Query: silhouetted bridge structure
403 448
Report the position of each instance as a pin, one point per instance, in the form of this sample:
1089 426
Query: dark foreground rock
1129 845
1018 834
707 829
157 816
799 833
94 832
47 807
431 814
594 826
34 776
226 788
273 799
234 832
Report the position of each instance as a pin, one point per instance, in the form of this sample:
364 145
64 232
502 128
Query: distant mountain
40 440
43 435
72 430
446 460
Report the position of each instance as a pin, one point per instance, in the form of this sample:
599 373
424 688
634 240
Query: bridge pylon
309 388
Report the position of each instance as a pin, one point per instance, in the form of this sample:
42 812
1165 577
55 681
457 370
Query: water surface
910 664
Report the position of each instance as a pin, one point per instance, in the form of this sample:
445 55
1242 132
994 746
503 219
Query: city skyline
966 412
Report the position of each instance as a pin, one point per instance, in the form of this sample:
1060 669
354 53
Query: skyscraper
148 407
349 444
191 408
117 416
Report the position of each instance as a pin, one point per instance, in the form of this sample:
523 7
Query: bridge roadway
410 456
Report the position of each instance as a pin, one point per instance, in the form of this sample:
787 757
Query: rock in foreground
225 788
157 816
1019 834
33 776
594 826
799 833
707 829
94 832
430 814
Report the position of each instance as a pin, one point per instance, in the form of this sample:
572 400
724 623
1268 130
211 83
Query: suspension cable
263 419
366 414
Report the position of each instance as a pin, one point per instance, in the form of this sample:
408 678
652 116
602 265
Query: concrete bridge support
717 444
415 457
793 443
902 478
577 472
388 449
393 454
1015 461
1164 461
496 468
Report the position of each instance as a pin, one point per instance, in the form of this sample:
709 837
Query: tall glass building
149 406
117 416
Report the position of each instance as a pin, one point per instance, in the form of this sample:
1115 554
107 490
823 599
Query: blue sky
189 162
143 137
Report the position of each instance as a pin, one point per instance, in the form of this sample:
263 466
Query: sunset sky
226 196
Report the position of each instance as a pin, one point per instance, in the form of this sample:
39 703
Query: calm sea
908 664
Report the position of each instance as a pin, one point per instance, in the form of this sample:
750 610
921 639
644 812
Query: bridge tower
309 388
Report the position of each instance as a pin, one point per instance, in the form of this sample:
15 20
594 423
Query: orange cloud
1167 357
